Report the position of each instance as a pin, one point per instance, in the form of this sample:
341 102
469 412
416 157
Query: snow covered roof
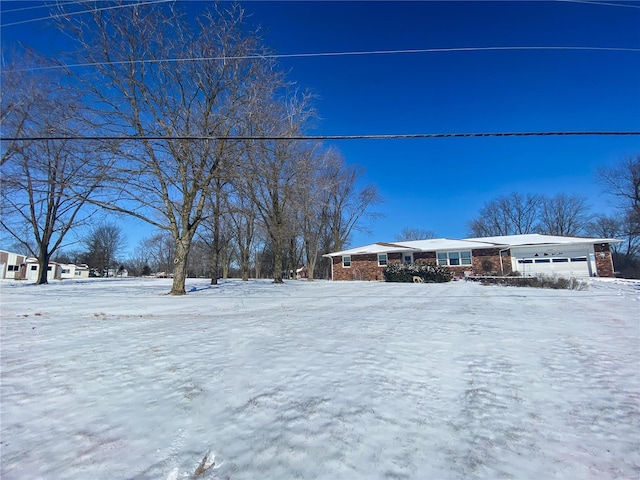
444 244
538 239
380 247
441 244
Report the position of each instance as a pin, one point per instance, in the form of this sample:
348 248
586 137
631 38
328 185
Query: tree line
202 150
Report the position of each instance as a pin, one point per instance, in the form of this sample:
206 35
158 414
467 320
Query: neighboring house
70 270
302 272
527 255
11 265
117 272
20 267
32 269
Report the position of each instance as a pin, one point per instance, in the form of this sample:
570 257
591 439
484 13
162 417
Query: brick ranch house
530 254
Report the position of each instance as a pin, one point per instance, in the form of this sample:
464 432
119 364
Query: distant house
20 267
32 270
302 272
70 271
11 265
117 272
528 255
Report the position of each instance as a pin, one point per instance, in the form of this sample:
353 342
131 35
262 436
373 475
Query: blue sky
440 184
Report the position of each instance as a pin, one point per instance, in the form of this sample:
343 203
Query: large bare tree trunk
180 268
277 261
43 265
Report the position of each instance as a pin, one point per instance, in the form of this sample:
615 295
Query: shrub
428 272
540 281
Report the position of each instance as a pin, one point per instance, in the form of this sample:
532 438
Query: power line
323 137
44 5
334 54
600 3
62 15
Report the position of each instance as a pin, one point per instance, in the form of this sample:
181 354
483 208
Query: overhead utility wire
82 11
316 137
22 9
332 54
587 2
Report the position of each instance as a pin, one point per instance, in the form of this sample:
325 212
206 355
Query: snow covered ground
113 379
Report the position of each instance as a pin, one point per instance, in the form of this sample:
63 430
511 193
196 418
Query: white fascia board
369 249
538 239
444 244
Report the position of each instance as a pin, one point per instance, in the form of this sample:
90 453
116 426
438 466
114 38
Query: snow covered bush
539 281
428 272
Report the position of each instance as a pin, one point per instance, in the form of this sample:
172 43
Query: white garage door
553 261
562 266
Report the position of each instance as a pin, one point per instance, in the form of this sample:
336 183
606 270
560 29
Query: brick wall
604 262
363 267
429 257
486 261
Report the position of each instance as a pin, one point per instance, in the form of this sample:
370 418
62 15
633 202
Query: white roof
372 248
442 244
538 239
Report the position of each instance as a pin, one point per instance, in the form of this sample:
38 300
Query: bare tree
513 214
414 233
45 184
103 243
136 91
217 231
311 204
159 251
622 181
22 98
242 222
349 205
273 167
563 215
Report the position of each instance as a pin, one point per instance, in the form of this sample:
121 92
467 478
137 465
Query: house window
48 268
13 268
454 258
66 270
579 259
382 259
78 273
346 261
34 267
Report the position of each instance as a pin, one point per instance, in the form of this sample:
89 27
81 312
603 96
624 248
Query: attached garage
554 260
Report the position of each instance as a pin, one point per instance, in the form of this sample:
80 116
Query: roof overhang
447 244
